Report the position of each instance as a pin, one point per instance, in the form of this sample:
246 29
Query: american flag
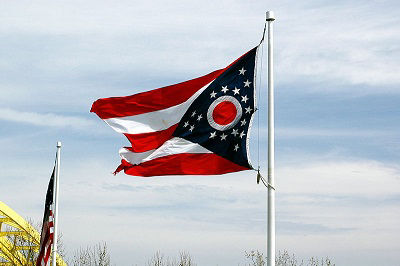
47 234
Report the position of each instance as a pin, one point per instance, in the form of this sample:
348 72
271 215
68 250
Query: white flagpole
55 211
271 148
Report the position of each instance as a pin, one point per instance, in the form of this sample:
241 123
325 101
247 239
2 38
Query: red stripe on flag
182 164
149 141
45 244
151 101
48 252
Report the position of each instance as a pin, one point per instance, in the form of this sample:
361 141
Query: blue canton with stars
238 82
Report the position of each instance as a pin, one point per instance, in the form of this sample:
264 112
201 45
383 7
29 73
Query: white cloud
47 119
337 207
314 47
367 178
338 46
293 132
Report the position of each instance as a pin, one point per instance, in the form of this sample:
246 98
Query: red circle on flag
224 113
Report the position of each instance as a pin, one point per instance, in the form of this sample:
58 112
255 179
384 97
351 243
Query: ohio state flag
197 127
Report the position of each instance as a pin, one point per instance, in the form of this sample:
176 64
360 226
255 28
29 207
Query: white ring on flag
221 99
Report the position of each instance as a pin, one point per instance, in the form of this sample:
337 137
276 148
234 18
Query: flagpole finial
58 143
270 16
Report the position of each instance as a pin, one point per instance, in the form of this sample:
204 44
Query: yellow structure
19 241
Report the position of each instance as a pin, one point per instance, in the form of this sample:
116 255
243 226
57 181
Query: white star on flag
224 89
247 83
243 122
235 132
241 71
213 134
236 91
213 94
244 99
199 117
236 147
223 136
194 112
191 128
186 124
248 110
241 134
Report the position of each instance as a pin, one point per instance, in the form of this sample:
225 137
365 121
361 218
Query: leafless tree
256 257
185 259
320 262
285 259
96 255
159 259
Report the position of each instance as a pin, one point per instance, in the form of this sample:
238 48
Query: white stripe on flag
170 147
134 157
152 121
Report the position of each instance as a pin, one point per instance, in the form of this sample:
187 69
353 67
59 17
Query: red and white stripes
46 241
148 119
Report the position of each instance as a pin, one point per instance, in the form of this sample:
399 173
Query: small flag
197 127
46 237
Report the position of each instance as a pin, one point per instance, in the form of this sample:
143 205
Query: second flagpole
271 147
56 186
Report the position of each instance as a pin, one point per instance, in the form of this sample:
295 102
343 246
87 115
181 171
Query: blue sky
337 126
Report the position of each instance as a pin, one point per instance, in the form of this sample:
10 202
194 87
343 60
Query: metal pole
271 148
55 211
